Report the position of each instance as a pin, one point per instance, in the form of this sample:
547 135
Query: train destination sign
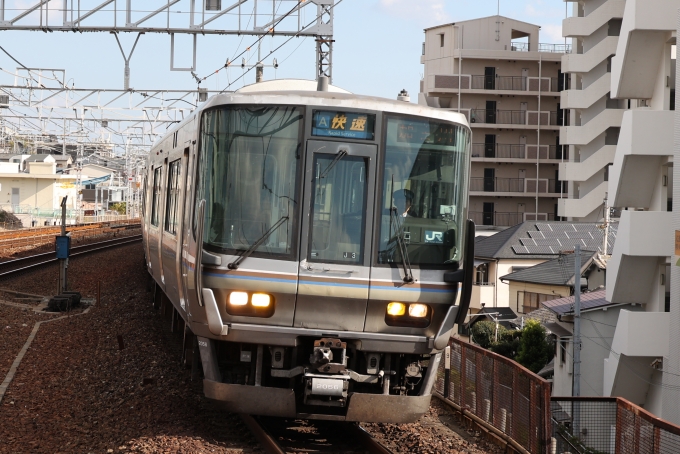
426 132
347 125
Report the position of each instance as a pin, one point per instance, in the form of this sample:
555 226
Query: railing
496 82
514 403
497 184
499 393
542 47
33 237
507 219
514 117
609 425
518 151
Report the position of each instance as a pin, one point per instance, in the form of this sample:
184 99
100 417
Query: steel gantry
302 18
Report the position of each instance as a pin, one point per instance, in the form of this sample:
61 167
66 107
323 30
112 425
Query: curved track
13 266
283 436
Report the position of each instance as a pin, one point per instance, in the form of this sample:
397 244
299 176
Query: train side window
155 203
172 201
144 195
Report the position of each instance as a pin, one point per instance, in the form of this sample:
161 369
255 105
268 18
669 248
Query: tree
118 206
535 350
483 333
508 343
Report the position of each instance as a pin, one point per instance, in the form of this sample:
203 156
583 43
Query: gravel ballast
78 391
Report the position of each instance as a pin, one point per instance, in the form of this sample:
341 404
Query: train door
336 234
155 221
170 231
181 228
188 241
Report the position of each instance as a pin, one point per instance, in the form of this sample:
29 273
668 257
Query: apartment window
441 40
531 301
155 202
172 201
482 275
563 349
423 48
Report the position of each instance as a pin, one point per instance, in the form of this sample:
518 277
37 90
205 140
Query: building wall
472 47
515 289
501 268
597 332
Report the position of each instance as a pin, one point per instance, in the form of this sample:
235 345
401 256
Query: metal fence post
447 371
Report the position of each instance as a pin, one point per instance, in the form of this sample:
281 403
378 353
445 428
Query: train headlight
417 310
261 300
396 309
238 298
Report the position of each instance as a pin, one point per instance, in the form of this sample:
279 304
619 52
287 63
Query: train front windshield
424 195
250 175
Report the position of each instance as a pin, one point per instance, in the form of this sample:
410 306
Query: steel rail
354 431
25 263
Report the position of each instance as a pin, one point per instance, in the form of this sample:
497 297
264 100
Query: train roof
335 97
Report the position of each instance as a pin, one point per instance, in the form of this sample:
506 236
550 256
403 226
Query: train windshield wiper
341 154
235 264
399 233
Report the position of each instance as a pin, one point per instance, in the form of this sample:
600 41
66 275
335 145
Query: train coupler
327 390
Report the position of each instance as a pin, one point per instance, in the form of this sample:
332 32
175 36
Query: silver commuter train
330 237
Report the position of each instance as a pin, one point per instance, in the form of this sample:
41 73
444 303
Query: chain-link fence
610 425
499 392
503 396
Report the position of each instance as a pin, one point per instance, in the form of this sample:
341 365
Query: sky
376 51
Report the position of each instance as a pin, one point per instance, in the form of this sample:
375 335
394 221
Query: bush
535 350
118 207
508 343
483 333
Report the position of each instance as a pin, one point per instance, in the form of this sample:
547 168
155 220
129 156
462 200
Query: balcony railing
497 184
518 151
515 117
524 185
507 219
497 82
542 47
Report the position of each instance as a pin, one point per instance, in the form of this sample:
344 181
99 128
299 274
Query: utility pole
605 240
576 387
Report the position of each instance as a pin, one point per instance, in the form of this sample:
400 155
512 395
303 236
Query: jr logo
434 237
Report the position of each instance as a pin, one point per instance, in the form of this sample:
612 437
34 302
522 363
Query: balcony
442 82
584 170
642 238
582 99
584 206
645 142
584 134
507 219
645 30
513 186
514 117
520 152
521 46
583 63
639 338
482 292
586 26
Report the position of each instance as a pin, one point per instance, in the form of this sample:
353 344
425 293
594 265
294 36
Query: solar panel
554 242
534 234
541 250
527 241
579 235
520 249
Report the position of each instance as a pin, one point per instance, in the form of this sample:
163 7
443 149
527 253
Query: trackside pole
447 371
63 244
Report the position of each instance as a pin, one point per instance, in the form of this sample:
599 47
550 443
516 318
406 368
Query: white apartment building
594 118
621 145
495 71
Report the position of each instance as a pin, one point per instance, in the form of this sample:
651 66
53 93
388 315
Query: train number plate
327 387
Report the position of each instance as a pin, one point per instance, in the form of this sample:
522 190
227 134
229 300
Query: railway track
283 436
11 267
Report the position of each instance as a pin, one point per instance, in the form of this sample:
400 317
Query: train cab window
338 209
247 174
423 191
172 201
156 196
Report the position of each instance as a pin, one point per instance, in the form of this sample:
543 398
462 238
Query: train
316 246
